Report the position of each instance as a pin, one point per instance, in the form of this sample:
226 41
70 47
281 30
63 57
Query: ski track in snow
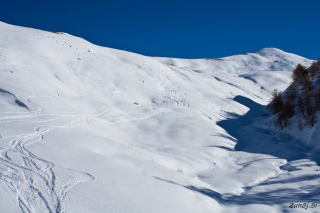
171 102
32 178
173 99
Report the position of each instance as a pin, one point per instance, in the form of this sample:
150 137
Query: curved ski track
31 178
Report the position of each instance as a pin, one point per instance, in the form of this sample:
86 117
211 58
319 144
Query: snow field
104 130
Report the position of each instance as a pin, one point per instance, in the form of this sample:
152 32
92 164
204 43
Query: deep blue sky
178 28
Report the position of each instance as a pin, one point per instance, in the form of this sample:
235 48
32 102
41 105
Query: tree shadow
255 139
276 196
273 197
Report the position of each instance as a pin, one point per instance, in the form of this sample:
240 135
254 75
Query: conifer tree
313 69
318 99
291 92
276 102
297 73
311 118
306 84
300 106
281 120
288 108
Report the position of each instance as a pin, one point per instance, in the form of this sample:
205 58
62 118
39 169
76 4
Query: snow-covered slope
92 129
303 124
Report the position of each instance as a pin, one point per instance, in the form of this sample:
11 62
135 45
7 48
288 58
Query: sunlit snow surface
85 128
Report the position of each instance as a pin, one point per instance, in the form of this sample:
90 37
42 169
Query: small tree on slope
297 73
311 113
276 104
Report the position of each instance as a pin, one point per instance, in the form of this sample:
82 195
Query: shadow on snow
255 139
272 197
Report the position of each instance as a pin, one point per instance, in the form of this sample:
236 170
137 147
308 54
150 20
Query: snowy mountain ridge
85 128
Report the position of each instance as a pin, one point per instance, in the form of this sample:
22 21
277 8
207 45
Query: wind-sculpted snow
143 134
9 98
